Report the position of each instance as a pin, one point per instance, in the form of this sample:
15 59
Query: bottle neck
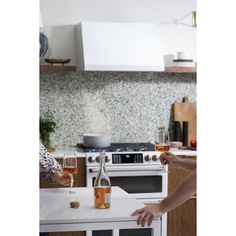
102 178
102 162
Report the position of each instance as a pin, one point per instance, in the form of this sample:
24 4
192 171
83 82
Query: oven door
146 184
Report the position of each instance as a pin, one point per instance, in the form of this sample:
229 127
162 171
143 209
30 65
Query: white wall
176 37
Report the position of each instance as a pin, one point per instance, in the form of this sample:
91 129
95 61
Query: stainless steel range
136 168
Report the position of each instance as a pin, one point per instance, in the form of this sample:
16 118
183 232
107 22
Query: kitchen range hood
115 46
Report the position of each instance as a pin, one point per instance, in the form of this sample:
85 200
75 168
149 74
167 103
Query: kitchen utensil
186 111
97 140
177 131
185 133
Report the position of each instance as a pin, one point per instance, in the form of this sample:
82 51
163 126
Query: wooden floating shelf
52 68
63 68
178 69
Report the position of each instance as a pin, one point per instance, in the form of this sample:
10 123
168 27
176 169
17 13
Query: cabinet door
182 220
79 178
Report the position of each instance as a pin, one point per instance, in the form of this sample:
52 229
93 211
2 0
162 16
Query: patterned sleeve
48 165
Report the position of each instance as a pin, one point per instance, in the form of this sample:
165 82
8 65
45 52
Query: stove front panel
124 158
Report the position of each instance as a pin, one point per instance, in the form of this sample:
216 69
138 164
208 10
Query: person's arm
185 190
170 158
182 193
51 170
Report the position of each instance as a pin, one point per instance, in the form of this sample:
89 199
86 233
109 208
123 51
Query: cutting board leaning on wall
186 111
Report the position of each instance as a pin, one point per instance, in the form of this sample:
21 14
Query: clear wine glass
70 165
162 141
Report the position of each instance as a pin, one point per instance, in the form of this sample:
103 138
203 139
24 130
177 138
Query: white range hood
108 46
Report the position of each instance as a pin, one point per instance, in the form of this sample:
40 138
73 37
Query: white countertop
55 208
57 216
58 153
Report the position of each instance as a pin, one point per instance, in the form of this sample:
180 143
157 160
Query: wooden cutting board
186 111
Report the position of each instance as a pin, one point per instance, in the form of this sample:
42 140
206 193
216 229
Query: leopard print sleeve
48 165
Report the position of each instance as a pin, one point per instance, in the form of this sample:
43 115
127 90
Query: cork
74 204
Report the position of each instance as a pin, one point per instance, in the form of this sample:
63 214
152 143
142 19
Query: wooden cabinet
182 220
178 69
79 178
80 181
52 68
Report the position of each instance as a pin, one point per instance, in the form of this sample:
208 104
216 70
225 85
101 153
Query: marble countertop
57 216
55 201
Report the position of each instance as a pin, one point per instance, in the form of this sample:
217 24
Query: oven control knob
98 159
107 159
147 158
154 158
91 159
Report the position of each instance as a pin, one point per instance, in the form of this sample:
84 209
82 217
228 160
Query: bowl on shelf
57 61
176 144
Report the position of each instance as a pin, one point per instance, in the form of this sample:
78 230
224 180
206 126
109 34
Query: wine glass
70 165
162 141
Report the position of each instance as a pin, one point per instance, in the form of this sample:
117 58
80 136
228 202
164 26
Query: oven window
138 184
124 232
135 232
102 233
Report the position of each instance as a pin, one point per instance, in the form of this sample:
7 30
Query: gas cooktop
120 147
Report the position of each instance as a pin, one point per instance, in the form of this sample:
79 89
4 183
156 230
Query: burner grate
120 147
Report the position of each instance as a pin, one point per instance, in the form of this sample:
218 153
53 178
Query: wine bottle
102 186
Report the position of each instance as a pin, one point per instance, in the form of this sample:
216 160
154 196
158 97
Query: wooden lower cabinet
79 178
181 221
79 181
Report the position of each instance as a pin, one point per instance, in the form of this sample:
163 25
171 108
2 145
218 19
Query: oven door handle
95 170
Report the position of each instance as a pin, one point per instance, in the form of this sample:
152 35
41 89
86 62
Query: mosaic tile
130 105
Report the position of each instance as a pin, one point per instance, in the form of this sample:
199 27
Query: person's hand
148 213
169 158
64 179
